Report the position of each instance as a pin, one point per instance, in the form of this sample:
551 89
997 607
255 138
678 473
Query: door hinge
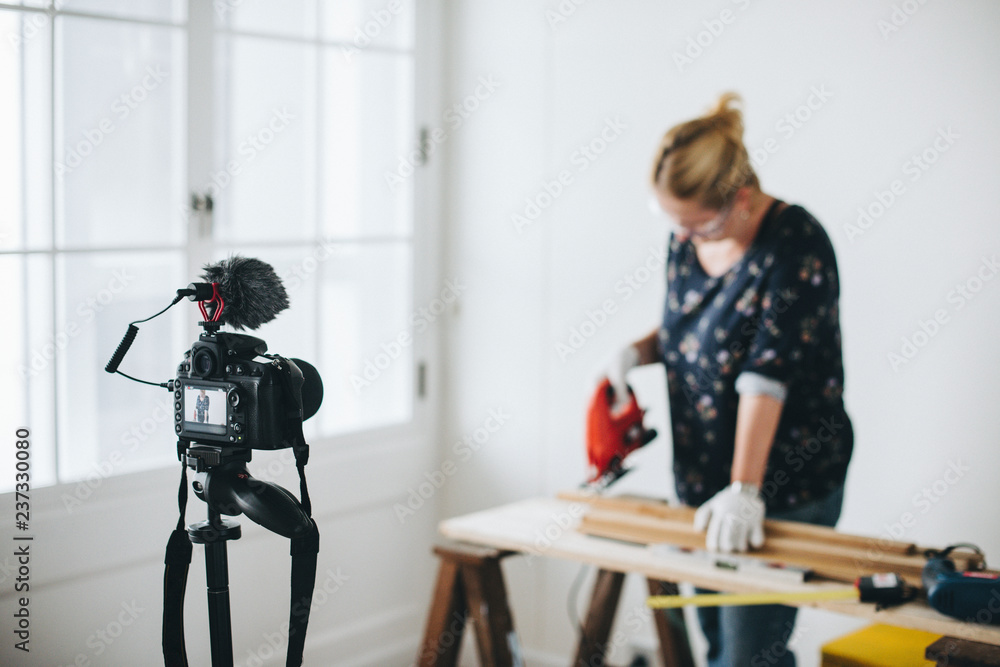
422 380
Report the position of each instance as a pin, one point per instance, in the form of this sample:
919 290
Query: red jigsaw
613 434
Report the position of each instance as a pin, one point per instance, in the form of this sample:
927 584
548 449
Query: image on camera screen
205 408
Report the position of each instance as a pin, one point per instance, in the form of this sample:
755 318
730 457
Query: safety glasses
705 229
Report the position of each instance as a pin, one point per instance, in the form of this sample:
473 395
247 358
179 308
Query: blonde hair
704 159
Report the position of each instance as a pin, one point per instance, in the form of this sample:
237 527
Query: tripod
223 482
291 391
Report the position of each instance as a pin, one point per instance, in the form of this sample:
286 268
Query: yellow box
878 646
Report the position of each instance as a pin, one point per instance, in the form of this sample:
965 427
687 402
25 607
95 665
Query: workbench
470 582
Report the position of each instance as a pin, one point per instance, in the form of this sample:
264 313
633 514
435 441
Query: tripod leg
219 623
214 534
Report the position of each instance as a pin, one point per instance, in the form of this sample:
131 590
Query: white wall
889 95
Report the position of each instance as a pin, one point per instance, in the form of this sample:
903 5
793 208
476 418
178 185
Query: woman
751 344
201 406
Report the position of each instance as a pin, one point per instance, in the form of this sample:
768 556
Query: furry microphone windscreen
252 291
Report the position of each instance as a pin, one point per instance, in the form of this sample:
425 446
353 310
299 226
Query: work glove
734 517
621 363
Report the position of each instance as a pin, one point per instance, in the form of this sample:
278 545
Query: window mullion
201 128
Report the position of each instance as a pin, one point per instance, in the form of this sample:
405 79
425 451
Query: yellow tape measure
724 599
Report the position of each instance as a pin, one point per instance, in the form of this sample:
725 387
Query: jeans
756 636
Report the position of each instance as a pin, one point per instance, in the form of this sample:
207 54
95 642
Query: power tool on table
612 434
973 595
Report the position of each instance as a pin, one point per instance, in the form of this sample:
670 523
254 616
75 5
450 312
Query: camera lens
204 363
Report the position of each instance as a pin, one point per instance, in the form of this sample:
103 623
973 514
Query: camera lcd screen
205 409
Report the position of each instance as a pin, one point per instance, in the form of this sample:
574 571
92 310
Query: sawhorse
470 581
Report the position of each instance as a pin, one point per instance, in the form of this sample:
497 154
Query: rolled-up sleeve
751 384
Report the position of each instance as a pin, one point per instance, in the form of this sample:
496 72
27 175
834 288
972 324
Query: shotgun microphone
252 292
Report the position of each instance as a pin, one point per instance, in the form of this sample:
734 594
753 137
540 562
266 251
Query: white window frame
123 491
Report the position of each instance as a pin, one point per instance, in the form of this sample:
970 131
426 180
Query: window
115 117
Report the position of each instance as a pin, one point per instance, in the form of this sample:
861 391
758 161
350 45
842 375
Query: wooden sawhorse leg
600 618
674 646
470 581
675 649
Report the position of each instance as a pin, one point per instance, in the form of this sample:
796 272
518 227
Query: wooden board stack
827 552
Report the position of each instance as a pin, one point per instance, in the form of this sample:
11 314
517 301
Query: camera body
223 396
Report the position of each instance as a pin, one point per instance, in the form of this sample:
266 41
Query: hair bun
727 117
704 159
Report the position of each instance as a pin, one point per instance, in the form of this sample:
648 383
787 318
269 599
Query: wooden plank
827 552
826 561
646 529
955 652
640 529
797 529
468 554
863 561
661 509
600 618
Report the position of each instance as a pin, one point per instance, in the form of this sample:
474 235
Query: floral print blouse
772 315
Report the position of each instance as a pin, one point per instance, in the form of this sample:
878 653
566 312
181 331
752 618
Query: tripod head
223 482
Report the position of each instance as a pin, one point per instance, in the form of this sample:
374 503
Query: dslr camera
230 393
